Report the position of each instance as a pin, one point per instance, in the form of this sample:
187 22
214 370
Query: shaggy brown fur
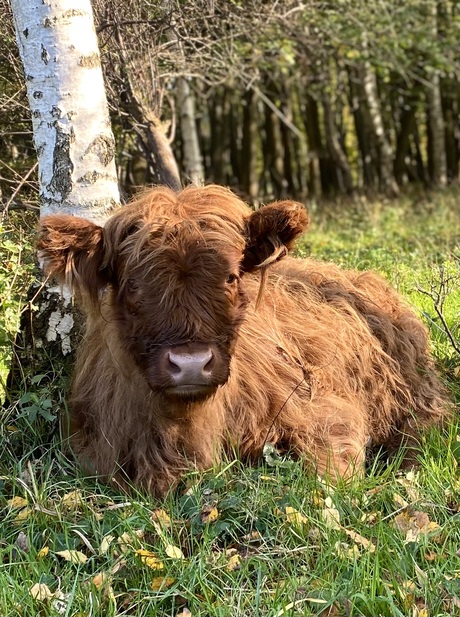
330 360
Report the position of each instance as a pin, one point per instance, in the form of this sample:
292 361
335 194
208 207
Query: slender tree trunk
437 141
216 117
273 153
314 145
406 129
388 182
335 149
250 179
192 160
75 146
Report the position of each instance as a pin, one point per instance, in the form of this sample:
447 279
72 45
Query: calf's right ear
271 233
72 251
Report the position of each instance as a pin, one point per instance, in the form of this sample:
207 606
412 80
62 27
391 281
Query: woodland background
309 100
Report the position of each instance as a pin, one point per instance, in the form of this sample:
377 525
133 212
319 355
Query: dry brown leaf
41 592
174 552
162 582
73 556
17 502
184 613
209 514
150 559
399 501
413 523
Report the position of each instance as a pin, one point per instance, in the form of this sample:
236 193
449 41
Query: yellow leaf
73 556
234 563
356 537
162 582
150 559
126 540
23 514
17 502
295 517
209 514
99 580
160 516
105 544
399 501
73 500
43 552
41 592
174 552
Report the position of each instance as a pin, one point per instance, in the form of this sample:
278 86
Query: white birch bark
72 134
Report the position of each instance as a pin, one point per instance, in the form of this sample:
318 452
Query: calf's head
170 267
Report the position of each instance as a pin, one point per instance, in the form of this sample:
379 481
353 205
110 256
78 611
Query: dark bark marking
61 182
103 147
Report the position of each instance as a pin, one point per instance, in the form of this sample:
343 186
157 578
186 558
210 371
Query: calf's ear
72 252
271 233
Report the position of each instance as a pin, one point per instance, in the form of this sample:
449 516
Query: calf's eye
231 278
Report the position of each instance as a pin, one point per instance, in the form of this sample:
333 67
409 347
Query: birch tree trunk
74 143
73 139
388 182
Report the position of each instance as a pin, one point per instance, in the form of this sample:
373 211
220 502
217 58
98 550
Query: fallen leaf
399 501
209 514
150 559
184 613
161 517
162 582
127 539
413 523
330 515
174 552
41 592
356 537
22 542
17 502
295 517
23 515
72 501
99 580
105 544
73 556
234 563
43 552
345 551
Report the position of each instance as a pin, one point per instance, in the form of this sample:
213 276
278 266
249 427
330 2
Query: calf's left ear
271 233
72 251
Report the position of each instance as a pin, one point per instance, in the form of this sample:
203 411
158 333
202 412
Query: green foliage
16 272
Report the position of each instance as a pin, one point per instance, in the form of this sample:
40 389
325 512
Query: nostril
209 363
174 364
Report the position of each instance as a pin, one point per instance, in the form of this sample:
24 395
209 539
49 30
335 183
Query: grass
237 541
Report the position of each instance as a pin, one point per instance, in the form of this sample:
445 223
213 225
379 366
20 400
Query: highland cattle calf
203 336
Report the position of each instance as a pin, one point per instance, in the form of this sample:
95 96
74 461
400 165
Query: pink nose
191 368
